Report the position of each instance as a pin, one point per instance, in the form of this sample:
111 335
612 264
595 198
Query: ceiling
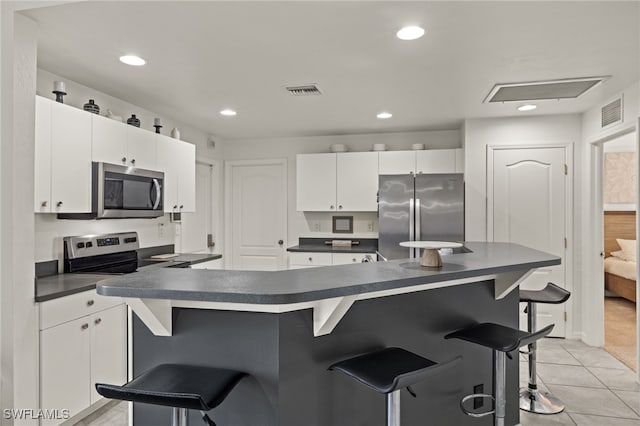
203 57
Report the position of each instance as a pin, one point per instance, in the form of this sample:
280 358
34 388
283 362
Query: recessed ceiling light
410 33
384 115
228 112
529 107
134 60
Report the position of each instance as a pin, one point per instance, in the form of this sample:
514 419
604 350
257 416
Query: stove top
105 253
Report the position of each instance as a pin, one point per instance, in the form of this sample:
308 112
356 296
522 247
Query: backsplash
320 224
49 231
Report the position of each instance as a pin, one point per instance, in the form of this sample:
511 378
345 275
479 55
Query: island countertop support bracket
329 312
507 281
154 313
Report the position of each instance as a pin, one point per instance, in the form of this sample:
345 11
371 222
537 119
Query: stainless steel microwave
126 192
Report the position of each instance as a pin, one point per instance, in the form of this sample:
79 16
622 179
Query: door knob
280 242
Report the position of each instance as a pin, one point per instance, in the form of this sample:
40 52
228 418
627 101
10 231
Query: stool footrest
526 352
473 396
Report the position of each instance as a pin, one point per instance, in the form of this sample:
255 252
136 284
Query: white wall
300 224
49 231
531 130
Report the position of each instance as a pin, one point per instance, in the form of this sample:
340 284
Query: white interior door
527 206
256 214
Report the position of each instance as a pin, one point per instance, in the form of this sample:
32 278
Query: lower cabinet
77 353
300 260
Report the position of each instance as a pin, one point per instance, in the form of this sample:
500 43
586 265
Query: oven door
128 192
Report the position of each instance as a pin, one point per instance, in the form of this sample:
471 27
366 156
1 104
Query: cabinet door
436 161
459 160
316 182
108 348
166 162
42 166
186 157
141 148
65 367
347 258
396 162
357 182
70 159
108 141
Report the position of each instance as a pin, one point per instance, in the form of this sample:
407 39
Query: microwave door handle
156 185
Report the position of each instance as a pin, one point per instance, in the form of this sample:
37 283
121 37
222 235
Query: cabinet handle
90 302
353 260
84 326
340 207
311 259
331 207
133 161
43 204
175 206
124 159
98 321
59 203
181 206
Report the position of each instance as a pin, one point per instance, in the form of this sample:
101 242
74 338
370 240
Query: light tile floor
597 389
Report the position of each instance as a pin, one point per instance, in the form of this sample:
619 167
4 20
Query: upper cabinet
337 182
118 143
62 158
178 162
423 161
68 139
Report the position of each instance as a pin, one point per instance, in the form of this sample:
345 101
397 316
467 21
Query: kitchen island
286 327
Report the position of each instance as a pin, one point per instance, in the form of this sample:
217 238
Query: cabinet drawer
346 258
310 259
67 308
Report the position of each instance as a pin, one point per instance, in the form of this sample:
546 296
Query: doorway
529 202
619 207
256 214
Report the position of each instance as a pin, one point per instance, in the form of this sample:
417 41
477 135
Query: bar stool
181 387
501 340
390 370
532 399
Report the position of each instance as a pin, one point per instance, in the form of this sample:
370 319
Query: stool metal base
535 401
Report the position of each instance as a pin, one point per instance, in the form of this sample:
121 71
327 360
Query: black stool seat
551 294
177 385
388 369
498 337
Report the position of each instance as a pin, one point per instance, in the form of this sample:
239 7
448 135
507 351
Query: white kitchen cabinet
299 260
82 341
316 182
397 162
65 367
337 182
178 162
436 161
348 258
42 166
141 148
459 160
118 143
357 181
108 348
70 159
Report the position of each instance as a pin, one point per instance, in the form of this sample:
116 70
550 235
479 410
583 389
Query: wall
49 231
528 130
301 224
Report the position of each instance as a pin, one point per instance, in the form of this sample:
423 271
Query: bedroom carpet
620 329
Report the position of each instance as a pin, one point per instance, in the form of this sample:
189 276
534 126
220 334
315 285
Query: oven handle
156 184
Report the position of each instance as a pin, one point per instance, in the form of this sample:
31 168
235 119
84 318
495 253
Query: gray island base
246 321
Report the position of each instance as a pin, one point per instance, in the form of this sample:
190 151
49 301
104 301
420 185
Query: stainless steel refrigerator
424 207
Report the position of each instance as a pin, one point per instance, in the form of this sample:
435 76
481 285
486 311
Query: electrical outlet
370 226
315 226
478 402
160 229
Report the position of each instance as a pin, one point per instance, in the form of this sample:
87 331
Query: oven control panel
94 245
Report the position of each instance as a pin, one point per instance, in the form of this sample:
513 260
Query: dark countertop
54 286
367 245
303 285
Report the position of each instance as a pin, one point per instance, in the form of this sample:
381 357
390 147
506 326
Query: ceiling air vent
542 90
306 90
611 113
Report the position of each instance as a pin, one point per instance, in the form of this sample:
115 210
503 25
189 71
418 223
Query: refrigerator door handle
418 221
411 224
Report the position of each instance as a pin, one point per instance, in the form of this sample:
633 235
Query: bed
619 275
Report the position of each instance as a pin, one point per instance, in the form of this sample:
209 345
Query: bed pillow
620 255
628 247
